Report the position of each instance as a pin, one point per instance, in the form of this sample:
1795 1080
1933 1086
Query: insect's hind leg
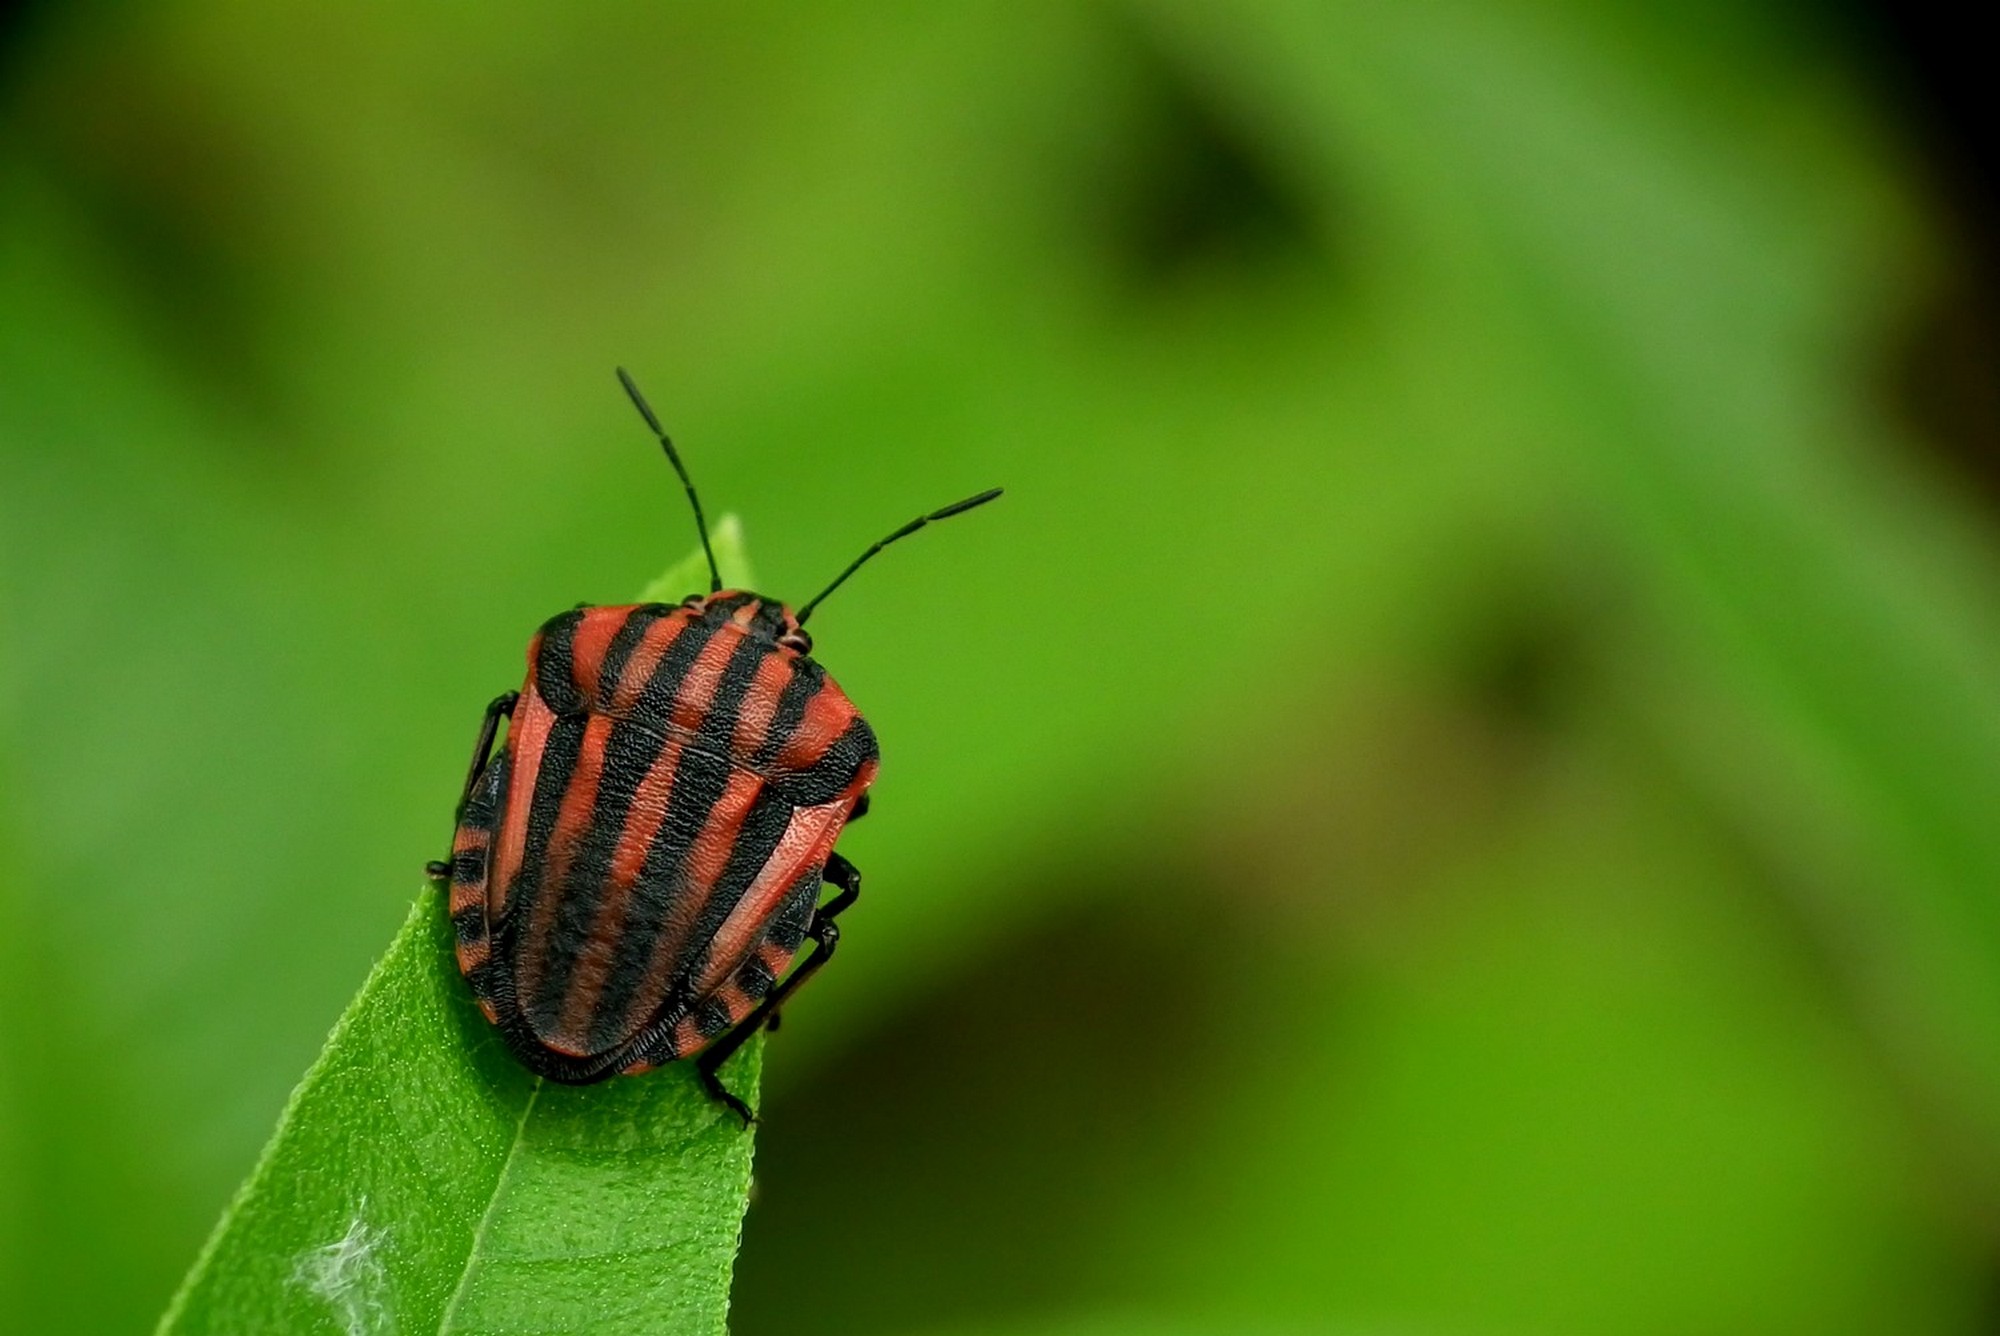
824 934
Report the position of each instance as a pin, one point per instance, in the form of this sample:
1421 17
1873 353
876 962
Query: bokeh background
1459 792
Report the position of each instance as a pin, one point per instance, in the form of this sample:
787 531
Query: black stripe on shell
657 907
711 1017
634 744
828 777
619 652
754 977
552 780
468 925
762 832
554 666
807 679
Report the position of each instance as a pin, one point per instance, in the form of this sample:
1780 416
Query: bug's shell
638 863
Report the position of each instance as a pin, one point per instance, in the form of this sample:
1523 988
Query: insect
640 861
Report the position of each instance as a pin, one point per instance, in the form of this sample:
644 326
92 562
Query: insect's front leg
501 706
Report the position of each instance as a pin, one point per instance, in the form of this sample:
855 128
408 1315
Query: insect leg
844 877
712 1083
499 706
825 935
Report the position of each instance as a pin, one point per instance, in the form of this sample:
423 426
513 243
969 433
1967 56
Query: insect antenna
674 458
955 508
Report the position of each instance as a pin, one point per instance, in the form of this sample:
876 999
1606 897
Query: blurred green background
1459 792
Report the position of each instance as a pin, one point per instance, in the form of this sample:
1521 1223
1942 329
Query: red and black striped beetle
638 864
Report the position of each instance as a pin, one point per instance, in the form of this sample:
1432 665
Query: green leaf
690 574
420 1180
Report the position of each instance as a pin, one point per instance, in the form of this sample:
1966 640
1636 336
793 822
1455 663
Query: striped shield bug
639 862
